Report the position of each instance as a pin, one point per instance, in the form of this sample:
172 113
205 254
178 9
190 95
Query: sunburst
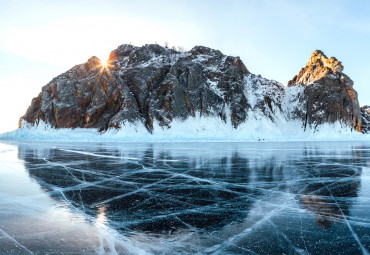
105 63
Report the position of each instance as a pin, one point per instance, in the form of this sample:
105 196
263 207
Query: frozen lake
180 198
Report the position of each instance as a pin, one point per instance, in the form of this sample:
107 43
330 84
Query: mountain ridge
153 84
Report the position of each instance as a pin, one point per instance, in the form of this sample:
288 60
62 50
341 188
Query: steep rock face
328 95
152 83
365 110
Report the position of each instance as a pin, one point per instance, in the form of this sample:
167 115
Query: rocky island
156 86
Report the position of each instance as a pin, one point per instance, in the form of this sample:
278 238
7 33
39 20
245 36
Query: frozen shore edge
191 130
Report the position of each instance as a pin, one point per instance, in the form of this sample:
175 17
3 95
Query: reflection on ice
253 198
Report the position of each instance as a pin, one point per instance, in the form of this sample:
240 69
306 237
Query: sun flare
105 63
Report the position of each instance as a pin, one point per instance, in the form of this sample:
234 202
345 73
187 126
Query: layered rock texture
156 85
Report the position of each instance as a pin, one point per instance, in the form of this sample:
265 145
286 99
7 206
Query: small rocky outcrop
328 93
365 110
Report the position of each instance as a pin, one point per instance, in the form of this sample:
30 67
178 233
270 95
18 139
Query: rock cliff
328 93
152 84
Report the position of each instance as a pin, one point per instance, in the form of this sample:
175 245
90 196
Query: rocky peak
133 55
149 84
318 58
319 66
202 50
121 51
329 93
93 63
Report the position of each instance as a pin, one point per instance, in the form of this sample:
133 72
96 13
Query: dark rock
148 84
365 110
328 93
153 84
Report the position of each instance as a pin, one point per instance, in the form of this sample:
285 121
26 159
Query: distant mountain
156 87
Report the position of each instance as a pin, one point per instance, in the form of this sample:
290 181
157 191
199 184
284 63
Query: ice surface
181 198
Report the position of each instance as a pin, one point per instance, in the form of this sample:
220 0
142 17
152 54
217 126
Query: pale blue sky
41 39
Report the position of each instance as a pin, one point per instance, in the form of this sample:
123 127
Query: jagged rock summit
328 94
155 86
317 67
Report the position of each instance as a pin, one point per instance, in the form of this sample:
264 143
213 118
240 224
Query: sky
42 39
